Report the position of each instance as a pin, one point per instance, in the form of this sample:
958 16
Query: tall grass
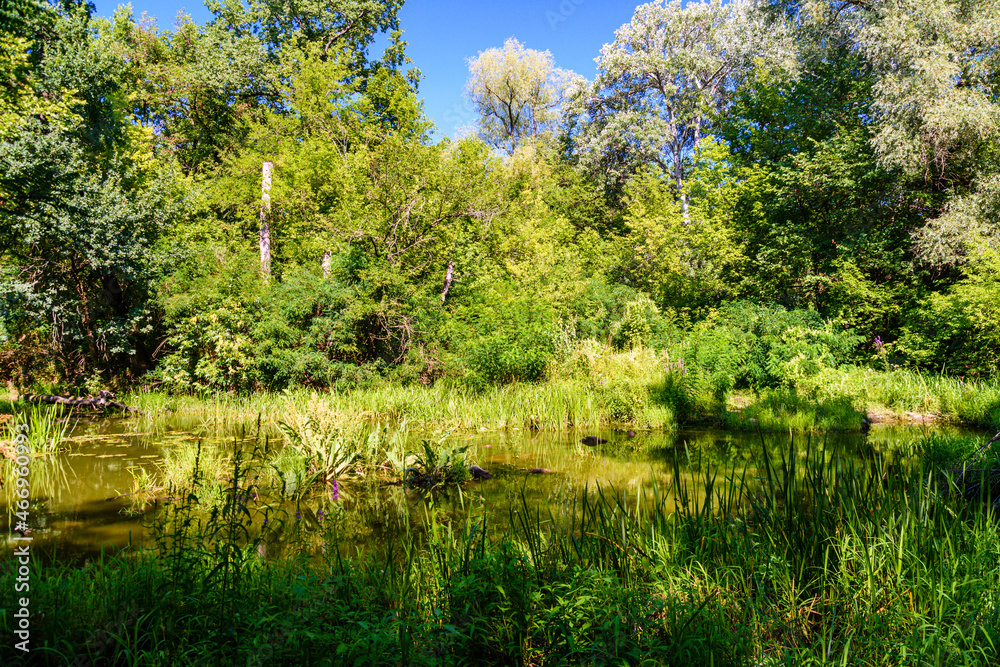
46 430
808 557
555 405
898 392
46 427
595 386
786 409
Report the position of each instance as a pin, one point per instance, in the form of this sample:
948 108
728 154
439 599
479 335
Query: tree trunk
89 355
448 276
327 260
679 179
265 221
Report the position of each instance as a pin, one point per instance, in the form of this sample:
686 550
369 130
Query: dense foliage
762 214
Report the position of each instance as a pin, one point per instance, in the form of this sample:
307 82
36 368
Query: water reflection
81 498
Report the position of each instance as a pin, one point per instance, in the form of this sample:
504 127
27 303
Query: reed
802 556
46 424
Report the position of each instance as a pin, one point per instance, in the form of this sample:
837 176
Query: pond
82 499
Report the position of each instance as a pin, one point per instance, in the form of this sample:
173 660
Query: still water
81 500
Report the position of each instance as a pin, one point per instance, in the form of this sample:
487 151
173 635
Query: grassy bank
807 559
898 392
597 386
637 389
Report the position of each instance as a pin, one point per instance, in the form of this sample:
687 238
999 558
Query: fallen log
103 402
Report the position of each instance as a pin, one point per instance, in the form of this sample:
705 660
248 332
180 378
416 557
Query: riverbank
637 389
631 390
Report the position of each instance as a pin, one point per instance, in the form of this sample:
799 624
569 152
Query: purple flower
319 515
878 344
298 515
336 490
265 521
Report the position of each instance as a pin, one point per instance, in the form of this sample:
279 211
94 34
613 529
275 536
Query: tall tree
936 106
517 92
667 75
348 26
85 205
195 86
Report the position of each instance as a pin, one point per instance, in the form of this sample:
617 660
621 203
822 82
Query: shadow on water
80 502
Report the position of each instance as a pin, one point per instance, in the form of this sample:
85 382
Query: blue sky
442 34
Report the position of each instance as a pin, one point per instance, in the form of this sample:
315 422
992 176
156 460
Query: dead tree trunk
265 220
447 280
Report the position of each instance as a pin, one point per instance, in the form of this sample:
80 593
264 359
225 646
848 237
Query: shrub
234 333
748 345
683 392
516 356
961 326
622 316
622 401
212 349
513 343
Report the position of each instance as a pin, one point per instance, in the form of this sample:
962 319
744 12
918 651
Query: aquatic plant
437 463
144 484
46 427
194 468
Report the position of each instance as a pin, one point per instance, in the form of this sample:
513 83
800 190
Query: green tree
348 26
935 106
84 209
518 93
682 263
825 222
669 73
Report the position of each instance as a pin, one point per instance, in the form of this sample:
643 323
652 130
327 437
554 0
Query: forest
691 363
767 190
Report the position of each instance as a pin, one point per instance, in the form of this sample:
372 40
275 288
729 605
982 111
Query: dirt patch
882 416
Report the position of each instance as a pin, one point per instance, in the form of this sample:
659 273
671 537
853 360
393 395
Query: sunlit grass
44 425
901 393
599 387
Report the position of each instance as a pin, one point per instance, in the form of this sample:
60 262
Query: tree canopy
835 159
517 92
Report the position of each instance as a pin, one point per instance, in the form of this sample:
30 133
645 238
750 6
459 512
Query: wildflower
298 515
319 515
878 344
336 490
